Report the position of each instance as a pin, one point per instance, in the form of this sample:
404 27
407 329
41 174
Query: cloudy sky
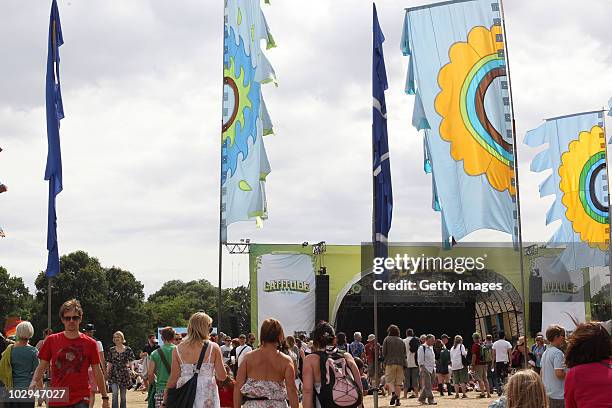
141 83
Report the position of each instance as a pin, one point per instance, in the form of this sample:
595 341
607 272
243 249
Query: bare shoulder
349 357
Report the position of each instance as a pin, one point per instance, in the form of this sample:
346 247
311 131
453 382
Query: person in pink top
589 359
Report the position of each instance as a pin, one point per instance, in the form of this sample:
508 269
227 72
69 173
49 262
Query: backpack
414 345
486 353
338 387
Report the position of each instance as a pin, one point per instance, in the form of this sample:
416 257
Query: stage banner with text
286 291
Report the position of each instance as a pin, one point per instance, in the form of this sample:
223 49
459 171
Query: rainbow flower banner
576 155
457 72
244 163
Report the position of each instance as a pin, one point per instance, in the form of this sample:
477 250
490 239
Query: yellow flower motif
481 144
580 169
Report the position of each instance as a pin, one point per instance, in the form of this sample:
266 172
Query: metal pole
516 180
609 212
222 225
49 291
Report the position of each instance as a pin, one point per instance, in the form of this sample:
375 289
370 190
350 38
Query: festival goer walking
70 354
394 353
411 373
553 366
151 344
356 348
442 373
185 358
502 355
48 331
524 390
459 370
226 349
242 350
119 359
323 339
518 354
23 361
160 365
537 350
589 359
226 388
479 367
90 331
427 370
370 352
266 379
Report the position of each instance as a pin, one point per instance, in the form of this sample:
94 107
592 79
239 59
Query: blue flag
457 72
383 193
55 112
576 154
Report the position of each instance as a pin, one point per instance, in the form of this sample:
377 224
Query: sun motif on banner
471 105
583 179
238 99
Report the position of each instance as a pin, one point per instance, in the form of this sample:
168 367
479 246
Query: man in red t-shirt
479 367
70 354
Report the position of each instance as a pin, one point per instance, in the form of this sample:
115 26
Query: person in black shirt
151 345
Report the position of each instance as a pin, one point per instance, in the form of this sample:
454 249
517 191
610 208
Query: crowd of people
321 370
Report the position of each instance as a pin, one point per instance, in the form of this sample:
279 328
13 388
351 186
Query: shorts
159 398
394 374
411 378
460 376
556 403
480 372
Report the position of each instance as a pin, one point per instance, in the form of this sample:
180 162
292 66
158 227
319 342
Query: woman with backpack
442 363
459 366
327 370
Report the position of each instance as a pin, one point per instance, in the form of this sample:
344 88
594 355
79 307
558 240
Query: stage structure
283 276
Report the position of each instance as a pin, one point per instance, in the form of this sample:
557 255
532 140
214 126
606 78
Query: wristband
105 398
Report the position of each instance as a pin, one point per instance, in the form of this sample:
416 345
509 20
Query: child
226 389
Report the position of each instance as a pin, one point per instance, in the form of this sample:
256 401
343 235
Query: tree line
113 299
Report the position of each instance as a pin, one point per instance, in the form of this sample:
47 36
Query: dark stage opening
433 312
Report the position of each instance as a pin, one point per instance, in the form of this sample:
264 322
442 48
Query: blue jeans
116 388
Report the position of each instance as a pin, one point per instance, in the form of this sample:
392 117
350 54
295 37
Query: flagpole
222 224
609 211
516 179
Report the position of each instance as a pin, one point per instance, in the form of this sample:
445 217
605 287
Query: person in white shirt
226 349
502 355
427 369
459 370
411 374
242 349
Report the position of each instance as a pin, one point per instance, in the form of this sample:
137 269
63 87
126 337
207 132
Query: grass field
136 399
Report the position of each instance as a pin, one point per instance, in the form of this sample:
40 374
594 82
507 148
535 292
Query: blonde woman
525 389
119 361
185 358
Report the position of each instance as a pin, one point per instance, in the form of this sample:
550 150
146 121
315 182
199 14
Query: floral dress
120 372
274 391
207 392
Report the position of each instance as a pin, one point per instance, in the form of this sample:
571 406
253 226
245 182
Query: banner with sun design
577 156
244 163
457 72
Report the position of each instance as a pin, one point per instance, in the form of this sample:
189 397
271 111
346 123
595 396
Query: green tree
600 304
15 299
112 298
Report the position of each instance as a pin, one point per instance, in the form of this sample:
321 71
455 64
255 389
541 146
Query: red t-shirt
369 350
586 385
476 352
70 359
226 395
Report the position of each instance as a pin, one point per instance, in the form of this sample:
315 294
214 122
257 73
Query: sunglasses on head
71 318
